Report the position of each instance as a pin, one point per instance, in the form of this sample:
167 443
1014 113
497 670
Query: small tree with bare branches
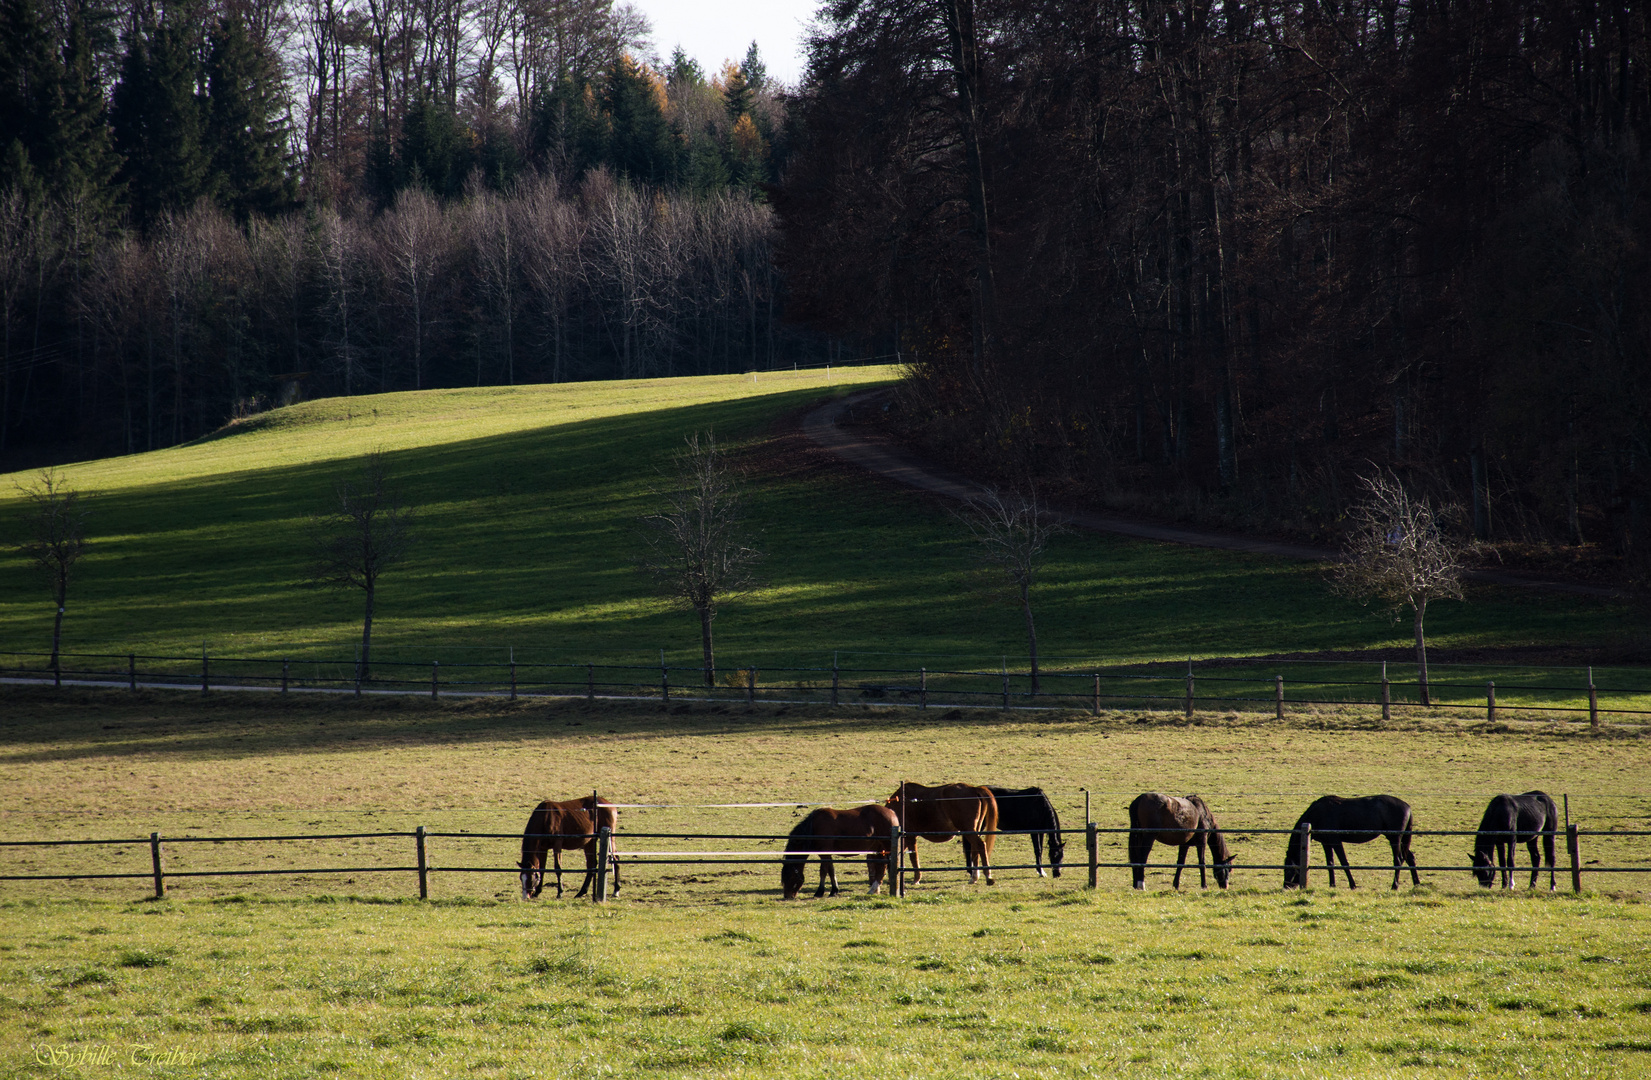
1011 531
367 530
55 538
1396 554
698 547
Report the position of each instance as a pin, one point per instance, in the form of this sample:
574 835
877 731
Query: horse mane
1206 820
803 830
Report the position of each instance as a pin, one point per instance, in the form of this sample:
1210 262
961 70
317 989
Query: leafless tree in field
1012 531
698 546
366 531
54 540
1397 555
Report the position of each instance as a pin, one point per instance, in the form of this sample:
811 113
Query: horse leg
1535 863
1180 864
1037 852
1330 864
1398 861
1341 853
876 869
1140 846
590 870
916 869
556 860
1203 883
1505 849
1548 850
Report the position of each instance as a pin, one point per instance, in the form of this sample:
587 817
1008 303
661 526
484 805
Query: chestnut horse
939 813
1167 819
1511 820
564 826
827 832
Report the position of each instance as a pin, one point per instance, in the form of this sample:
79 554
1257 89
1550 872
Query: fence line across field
1002 687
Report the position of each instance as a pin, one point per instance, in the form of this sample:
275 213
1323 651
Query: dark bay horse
565 826
1187 822
1511 819
939 813
827 832
1337 821
1029 809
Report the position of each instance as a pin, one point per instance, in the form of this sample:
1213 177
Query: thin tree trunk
57 621
366 637
705 641
1031 636
1421 652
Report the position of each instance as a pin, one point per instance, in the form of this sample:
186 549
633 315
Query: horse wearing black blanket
1511 819
1029 810
1337 821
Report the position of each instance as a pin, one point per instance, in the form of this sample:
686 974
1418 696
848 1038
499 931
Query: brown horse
1170 820
828 831
564 826
939 813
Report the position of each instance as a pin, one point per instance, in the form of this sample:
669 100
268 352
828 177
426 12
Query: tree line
1220 260
209 208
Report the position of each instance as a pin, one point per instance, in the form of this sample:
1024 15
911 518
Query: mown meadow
701 971
528 499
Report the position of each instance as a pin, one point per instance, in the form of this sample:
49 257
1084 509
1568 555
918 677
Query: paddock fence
424 854
1235 685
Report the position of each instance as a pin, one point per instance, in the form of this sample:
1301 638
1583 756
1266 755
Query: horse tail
1405 828
988 821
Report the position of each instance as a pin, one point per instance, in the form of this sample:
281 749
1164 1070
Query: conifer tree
86 163
29 91
754 70
157 116
736 92
245 133
639 140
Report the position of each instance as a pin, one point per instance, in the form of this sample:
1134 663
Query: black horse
1337 821
1030 809
1511 819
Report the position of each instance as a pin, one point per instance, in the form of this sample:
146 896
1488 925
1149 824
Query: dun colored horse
828 831
1511 819
1186 822
1337 821
1029 809
564 826
939 813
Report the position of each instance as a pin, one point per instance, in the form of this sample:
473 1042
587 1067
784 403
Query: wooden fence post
834 678
155 862
1006 687
604 845
922 688
1095 705
1189 688
751 686
895 861
1593 701
1574 847
286 672
590 682
203 671
1278 692
435 679
1307 854
1490 702
132 672
1092 845
423 866
664 680
1387 696
512 680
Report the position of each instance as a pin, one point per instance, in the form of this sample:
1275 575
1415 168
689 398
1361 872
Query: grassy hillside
528 498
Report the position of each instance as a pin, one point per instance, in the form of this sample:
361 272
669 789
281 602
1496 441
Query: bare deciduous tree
698 549
1012 532
366 531
1396 554
55 538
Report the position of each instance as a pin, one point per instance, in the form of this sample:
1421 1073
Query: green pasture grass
528 499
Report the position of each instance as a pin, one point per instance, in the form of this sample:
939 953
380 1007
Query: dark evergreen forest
1205 259
1216 259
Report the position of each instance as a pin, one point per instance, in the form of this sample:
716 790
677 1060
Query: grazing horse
939 813
1187 822
563 826
1511 819
1337 821
1030 809
828 831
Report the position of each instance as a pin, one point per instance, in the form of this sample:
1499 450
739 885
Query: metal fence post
1278 691
423 866
1574 847
1189 688
896 863
604 843
155 861
286 672
1593 701
923 688
1387 696
132 672
1307 856
435 679
1490 702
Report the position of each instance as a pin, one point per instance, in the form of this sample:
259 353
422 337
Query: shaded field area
528 500
115 766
